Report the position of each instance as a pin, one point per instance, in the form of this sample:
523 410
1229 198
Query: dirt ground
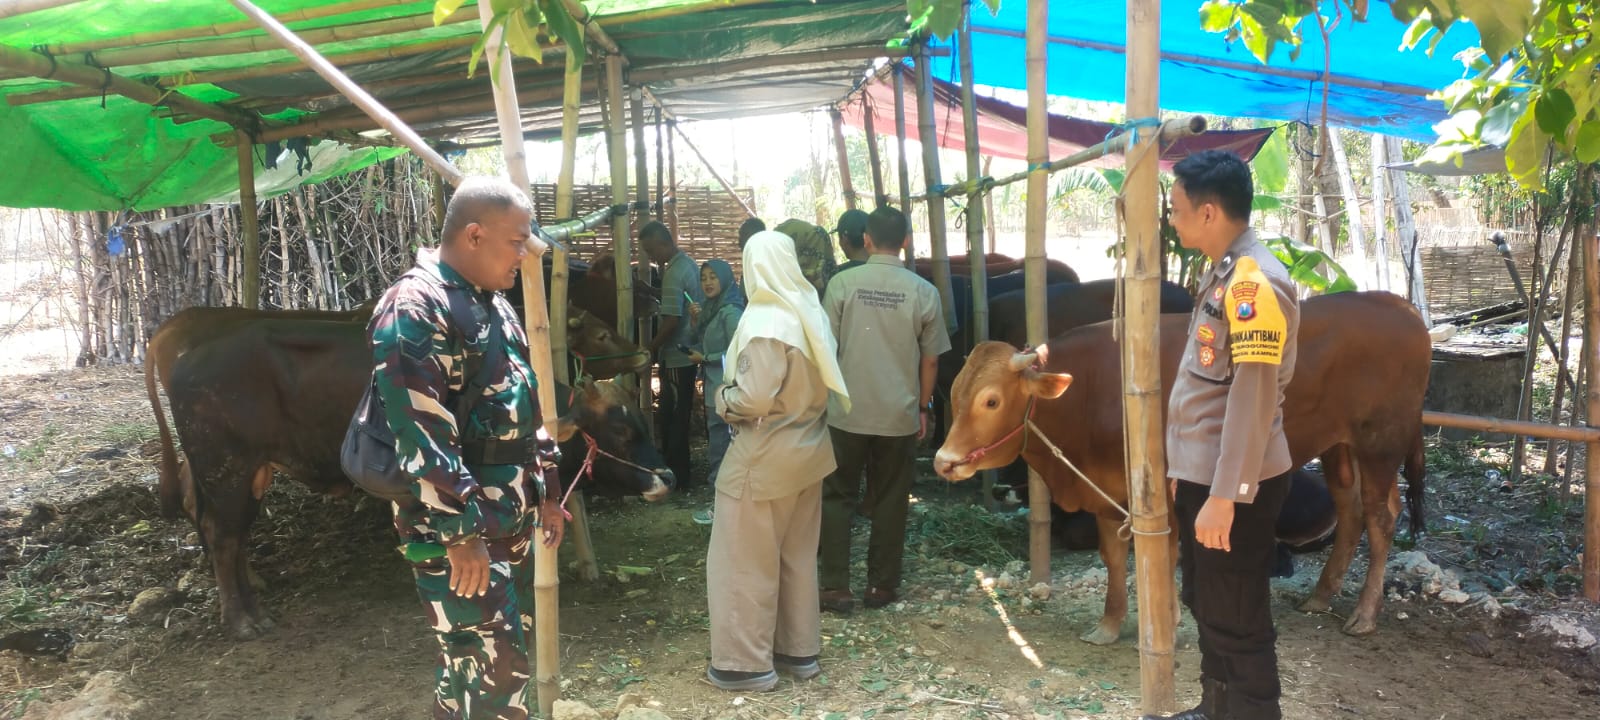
81 537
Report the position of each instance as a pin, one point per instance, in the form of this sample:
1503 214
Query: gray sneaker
802 668
702 517
742 681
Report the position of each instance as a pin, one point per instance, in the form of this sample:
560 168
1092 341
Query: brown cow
1355 401
274 394
995 265
603 353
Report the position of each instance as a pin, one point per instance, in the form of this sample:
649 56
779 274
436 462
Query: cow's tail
169 491
1416 472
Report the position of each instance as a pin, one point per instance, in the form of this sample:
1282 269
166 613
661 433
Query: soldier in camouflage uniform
479 479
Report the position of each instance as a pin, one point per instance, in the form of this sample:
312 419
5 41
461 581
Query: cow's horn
1023 361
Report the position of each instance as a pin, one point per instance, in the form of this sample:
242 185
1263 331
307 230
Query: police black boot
1213 704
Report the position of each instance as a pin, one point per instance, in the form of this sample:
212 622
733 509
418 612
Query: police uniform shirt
1225 414
886 319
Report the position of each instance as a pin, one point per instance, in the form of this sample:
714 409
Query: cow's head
603 272
991 401
604 352
605 427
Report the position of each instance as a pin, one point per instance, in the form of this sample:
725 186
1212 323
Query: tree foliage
1531 79
524 23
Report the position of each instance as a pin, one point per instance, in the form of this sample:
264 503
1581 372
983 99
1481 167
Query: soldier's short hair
748 229
888 228
1220 177
656 231
479 195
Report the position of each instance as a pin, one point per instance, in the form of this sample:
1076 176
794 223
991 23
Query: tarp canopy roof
79 149
1003 127
1373 84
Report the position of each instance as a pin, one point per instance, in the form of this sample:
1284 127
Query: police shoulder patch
1257 328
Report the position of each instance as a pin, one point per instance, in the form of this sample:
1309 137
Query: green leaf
994 7
483 39
522 34
1525 151
564 27
1256 39
945 17
445 8
1217 15
1587 146
1554 112
1271 164
1502 24
1265 202
1497 123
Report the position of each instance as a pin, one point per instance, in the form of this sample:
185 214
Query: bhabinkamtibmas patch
1256 326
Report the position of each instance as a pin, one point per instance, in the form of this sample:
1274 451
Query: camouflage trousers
483 654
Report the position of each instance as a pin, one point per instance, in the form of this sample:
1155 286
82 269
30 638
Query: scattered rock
628 700
642 713
192 539
1479 645
1040 592
102 699
192 581
89 650
1562 632
1454 597
1486 602
573 710
1006 581
151 605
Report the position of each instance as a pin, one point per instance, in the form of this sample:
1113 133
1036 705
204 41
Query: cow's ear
575 321
1047 385
566 427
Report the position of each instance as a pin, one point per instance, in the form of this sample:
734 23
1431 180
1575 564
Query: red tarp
1003 127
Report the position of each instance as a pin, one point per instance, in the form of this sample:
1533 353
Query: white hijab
781 304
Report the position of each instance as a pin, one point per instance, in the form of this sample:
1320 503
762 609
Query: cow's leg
1343 483
1380 502
228 510
1114 553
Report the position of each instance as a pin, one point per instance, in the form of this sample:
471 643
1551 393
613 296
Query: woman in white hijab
761 567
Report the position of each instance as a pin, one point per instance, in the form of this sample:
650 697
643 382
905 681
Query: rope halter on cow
587 470
584 360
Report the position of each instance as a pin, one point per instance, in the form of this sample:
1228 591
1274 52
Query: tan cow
1355 401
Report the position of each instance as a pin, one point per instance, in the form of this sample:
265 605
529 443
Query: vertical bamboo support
933 183
661 172
1141 343
1033 267
978 323
641 168
1569 293
1591 355
900 144
672 180
846 183
621 225
988 208
873 159
1380 213
1406 229
546 580
1352 203
249 230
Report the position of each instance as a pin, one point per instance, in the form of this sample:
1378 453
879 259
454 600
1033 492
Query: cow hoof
1315 605
1360 626
248 629
1101 636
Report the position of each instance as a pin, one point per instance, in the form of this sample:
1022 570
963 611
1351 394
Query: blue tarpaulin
1376 86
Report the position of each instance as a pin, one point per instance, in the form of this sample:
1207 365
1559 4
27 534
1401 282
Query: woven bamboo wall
707 219
1463 271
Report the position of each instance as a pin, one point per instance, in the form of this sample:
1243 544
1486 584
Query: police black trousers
889 465
677 420
1229 595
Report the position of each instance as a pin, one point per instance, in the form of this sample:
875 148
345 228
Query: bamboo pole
928 132
1141 399
1033 263
1563 354
595 31
672 181
1380 213
1406 229
678 11
546 580
22 7
900 143
249 231
367 103
713 170
425 112
213 30
213 47
978 324
1591 353
1584 433
1352 201
988 207
621 225
661 170
873 160
94 81
641 158
846 183
1170 131
571 99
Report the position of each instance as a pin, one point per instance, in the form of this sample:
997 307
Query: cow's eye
992 403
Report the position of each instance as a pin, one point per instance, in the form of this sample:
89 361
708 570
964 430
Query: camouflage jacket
420 370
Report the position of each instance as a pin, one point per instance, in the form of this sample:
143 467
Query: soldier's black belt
521 451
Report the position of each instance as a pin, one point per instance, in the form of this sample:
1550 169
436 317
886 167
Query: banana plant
523 21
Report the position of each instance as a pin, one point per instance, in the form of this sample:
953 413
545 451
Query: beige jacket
775 402
1225 415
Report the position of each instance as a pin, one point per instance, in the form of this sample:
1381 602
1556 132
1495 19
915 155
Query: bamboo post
1569 294
621 225
20 7
1406 229
1352 202
661 172
1380 214
672 181
873 160
1141 343
931 179
641 158
846 183
1591 352
249 230
978 323
1033 263
726 187
376 110
546 578
900 144
988 207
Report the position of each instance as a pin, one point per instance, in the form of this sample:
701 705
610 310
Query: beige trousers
761 579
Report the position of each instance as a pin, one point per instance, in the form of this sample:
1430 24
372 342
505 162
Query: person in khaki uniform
1226 451
891 332
761 568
